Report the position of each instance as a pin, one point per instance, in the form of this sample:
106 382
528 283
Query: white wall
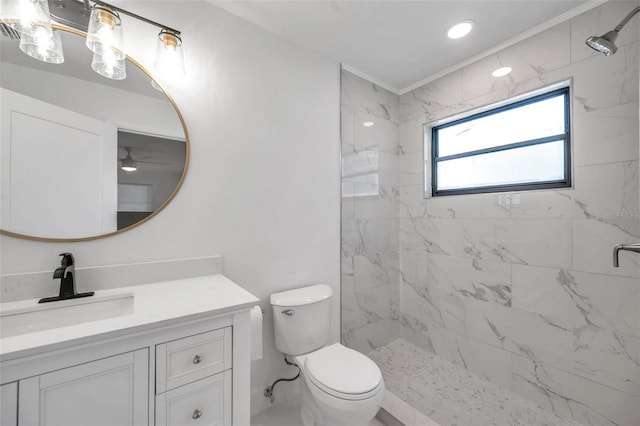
263 187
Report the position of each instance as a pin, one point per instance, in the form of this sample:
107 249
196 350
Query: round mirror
83 156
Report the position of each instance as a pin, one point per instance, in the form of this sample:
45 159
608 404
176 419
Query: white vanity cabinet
206 402
193 380
9 404
181 357
183 375
106 392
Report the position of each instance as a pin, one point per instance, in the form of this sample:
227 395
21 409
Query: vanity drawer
192 358
205 402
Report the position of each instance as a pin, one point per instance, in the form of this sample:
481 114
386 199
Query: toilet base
318 409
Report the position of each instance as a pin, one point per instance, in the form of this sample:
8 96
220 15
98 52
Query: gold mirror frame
162 206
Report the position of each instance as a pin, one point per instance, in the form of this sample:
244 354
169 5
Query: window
519 146
133 197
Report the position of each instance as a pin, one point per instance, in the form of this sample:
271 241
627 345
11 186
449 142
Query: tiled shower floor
452 396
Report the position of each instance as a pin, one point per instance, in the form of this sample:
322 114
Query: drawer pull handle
197 414
197 359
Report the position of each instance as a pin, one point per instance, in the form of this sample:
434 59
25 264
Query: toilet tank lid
302 296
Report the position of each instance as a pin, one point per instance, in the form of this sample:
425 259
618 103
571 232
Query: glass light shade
42 46
108 65
23 15
169 55
156 86
10 12
105 32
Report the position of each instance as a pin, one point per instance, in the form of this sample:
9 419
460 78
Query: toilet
339 386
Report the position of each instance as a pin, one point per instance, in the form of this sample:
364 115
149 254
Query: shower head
606 43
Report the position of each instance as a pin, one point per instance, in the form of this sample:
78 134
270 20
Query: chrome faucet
66 272
635 247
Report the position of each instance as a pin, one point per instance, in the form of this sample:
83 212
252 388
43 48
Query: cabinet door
9 404
107 392
206 402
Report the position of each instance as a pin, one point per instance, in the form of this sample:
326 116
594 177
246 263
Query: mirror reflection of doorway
149 169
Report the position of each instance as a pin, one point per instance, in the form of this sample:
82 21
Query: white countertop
154 305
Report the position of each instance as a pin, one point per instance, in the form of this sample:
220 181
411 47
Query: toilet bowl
339 386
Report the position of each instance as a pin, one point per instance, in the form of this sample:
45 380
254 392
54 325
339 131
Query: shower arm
626 19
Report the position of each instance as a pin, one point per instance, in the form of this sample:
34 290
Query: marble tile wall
519 287
370 214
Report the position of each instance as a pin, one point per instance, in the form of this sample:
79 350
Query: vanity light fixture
368 123
169 54
501 72
26 15
44 47
105 32
107 64
31 19
460 29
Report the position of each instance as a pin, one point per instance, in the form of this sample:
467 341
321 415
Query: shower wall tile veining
520 287
516 287
370 214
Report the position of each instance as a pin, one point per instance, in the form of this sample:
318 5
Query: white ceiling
397 42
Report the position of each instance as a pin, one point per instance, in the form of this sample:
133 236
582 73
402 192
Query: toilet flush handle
288 312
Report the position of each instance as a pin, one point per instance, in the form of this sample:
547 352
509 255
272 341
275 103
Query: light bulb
31 14
169 54
108 65
105 32
42 46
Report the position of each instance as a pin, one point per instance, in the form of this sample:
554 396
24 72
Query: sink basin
28 316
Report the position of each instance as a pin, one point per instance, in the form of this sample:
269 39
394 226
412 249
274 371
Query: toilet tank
301 318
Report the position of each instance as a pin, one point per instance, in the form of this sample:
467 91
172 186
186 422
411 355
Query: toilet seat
343 373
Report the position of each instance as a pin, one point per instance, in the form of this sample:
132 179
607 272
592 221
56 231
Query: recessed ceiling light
501 72
460 29
368 123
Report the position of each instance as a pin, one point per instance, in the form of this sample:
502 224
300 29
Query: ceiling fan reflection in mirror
130 164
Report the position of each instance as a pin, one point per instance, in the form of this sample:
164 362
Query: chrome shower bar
634 247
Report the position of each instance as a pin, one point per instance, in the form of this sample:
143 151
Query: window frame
538 96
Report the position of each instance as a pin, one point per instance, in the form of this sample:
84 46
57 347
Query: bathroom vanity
170 353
